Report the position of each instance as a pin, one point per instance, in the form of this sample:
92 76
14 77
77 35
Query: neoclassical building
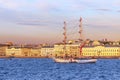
94 51
17 52
101 51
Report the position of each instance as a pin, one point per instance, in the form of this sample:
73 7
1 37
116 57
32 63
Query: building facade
69 50
17 52
35 52
47 51
13 51
101 52
87 51
3 50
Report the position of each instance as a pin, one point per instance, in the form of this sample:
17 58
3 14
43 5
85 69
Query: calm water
46 69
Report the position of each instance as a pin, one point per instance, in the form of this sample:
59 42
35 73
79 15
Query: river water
47 69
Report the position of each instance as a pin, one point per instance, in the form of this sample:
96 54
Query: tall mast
81 36
80 30
65 36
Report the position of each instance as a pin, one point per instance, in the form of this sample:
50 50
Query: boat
71 59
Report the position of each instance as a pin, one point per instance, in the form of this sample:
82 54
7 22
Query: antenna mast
65 36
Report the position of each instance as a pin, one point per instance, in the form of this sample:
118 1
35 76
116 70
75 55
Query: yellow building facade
13 52
17 52
3 50
35 52
25 52
90 51
68 50
47 51
101 51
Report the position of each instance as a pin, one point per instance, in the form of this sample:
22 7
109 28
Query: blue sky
41 21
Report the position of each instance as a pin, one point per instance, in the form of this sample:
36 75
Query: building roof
48 47
1 45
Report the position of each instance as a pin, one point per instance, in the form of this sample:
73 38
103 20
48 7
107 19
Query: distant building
25 52
3 48
17 51
96 43
101 51
116 43
13 52
71 50
35 52
47 51
97 51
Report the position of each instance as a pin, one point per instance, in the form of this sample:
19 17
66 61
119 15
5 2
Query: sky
41 21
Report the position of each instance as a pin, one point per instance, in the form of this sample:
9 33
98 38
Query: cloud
31 24
46 22
21 18
103 21
103 9
118 11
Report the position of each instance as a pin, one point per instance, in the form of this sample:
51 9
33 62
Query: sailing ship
71 59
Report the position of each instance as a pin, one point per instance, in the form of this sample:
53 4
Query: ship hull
71 60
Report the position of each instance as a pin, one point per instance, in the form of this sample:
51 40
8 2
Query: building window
25 53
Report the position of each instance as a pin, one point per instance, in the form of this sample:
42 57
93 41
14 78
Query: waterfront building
94 51
47 51
17 51
3 49
35 52
71 50
58 50
25 52
101 51
13 51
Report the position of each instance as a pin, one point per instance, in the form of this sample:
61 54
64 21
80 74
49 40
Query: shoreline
109 57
